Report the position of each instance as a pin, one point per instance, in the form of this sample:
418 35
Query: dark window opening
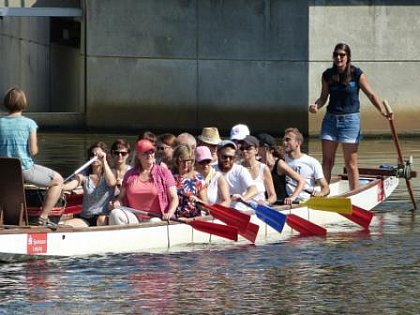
65 31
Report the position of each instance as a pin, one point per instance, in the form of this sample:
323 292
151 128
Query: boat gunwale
62 228
70 229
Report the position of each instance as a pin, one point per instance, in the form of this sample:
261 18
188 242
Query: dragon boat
258 224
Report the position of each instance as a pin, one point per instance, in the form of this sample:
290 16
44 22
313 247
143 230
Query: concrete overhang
41 12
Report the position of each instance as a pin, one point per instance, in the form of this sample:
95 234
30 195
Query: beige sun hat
210 135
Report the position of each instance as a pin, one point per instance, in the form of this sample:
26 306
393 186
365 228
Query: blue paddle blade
270 216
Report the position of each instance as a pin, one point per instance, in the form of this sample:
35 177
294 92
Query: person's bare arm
110 179
325 188
74 183
371 95
313 108
269 187
33 143
173 203
284 168
223 191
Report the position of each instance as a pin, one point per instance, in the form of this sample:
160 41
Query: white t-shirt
309 168
238 179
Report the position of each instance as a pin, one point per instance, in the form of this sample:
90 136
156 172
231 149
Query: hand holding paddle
81 168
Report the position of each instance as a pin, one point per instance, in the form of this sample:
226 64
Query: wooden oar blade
360 216
229 216
221 230
251 232
272 217
305 227
335 204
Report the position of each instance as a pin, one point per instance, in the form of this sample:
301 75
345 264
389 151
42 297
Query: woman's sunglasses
204 162
122 153
336 54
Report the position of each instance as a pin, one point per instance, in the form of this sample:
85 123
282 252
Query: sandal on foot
46 223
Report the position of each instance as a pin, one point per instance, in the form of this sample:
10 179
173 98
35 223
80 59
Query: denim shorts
39 175
341 128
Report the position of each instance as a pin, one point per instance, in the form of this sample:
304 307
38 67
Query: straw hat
210 135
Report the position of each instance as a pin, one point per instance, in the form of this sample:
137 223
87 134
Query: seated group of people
168 175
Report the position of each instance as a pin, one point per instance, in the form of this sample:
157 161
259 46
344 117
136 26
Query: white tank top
259 183
213 189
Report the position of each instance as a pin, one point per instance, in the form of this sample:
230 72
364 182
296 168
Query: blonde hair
298 134
183 152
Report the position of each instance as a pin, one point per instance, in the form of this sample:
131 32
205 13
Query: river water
350 272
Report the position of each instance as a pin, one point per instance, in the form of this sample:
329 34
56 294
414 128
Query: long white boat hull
18 243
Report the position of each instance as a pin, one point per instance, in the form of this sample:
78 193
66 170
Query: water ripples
347 272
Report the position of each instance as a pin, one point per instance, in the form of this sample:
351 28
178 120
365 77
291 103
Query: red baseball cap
144 145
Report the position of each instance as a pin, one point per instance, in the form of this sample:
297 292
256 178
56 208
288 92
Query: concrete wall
39 3
187 64
50 74
25 58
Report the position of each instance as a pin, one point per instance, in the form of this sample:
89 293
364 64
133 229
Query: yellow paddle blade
335 204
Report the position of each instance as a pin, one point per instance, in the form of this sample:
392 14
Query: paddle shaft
81 168
221 230
399 151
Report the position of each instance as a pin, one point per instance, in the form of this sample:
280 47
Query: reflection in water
343 273
348 272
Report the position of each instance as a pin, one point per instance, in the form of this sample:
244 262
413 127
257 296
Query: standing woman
147 186
18 139
341 123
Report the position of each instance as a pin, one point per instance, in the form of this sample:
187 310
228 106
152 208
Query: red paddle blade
230 216
305 227
250 232
360 216
221 230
